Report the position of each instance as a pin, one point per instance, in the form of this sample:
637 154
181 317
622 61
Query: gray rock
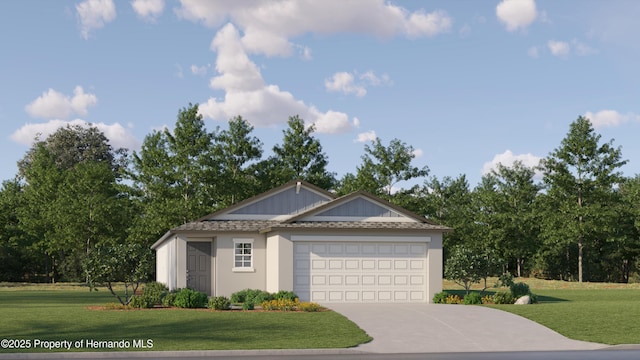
523 300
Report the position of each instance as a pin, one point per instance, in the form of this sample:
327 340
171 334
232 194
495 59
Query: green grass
595 312
65 315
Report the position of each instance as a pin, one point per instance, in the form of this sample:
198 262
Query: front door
199 266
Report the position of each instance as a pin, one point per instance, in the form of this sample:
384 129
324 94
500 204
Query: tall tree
382 168
505 201
580 177
174 176
300 156
54 171
236 149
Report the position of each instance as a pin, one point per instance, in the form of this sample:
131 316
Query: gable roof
352 197
316 195
319 210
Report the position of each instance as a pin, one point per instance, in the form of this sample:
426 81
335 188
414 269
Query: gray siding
361 208
287 202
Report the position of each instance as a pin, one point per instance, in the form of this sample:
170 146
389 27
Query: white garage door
360 272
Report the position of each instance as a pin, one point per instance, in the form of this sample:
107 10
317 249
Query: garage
343 271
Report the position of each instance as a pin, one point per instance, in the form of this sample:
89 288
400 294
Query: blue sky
467 83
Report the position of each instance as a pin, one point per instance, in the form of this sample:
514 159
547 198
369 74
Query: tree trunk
580 247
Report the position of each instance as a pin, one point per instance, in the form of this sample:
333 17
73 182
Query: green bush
169 299
253 296
154 292
472 299
440 298
219 303
519 289
191 299
140 302
505 280
285 295
503 297
247 305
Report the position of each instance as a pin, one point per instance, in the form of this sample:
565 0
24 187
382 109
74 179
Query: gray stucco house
354 248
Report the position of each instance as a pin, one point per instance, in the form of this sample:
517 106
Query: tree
300 157
467 267
18 261
579 179
505 201
386 166
449 202
52 210
175 177
235 148
129 263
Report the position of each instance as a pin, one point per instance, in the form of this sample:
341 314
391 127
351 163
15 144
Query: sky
467 83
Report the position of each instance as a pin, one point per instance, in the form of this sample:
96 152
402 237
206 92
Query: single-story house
301 238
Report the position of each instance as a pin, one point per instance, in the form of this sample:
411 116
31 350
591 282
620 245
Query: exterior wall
434 266
228 281
279 263
165 261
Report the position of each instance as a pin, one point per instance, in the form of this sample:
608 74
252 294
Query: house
301 238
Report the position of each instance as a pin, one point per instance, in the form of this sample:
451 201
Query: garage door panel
360 272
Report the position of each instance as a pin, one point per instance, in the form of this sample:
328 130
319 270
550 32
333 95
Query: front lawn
65 315
596 312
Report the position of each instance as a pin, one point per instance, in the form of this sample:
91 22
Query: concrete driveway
417 328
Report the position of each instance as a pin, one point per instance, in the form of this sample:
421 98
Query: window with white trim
243 255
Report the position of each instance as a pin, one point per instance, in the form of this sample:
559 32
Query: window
243 255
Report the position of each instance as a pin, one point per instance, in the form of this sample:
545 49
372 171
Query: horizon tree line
74 192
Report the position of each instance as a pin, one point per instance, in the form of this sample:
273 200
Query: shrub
254 296
472 299
487 299
453 299
283 294
140 302
503 297
219 303
505 280
440 298
310 306
282 304
169 299
191 299
247 305
519 289
154 292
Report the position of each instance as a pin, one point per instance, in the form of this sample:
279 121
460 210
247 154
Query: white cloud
94 14
148 10
507 158
516 14
269 26
199 70
118 135
247 94
418 153
53 104
366 136
346 82
605 118
559 48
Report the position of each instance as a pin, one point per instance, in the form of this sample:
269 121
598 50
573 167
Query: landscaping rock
523 300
